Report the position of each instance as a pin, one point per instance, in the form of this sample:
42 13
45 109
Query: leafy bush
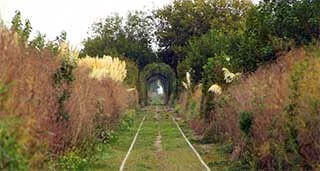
12 154
64 73
132 77
246 120
297 20
126 123
72 161
176 29
3 93
128 37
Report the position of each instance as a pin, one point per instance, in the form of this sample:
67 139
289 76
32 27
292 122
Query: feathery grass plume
188 79
106 67
216 89
66 50
187 85
131 89
229 76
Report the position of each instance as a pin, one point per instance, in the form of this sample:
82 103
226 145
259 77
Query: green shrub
3 93
12 155
72 161
177 108
193 106
126 123
104 133
246 121
64 73
132 77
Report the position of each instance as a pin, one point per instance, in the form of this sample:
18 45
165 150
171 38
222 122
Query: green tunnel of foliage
163 72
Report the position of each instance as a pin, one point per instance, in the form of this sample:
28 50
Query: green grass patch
12 153
217 156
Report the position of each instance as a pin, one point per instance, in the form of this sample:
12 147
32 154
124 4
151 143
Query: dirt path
157 142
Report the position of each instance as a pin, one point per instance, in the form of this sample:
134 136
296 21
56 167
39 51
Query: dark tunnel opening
157 90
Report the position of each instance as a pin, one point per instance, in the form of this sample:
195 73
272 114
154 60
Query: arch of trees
153 72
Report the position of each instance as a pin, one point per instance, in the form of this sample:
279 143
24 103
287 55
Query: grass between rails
173 153
143 154
178 154
159 146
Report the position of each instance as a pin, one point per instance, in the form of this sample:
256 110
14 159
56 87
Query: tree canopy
129 37
203 36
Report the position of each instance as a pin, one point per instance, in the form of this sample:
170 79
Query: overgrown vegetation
272 95
269 117
258 114
52 114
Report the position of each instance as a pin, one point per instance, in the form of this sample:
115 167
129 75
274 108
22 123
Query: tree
130 38
39 41
184 20
54 45
23 30
296 20
177 23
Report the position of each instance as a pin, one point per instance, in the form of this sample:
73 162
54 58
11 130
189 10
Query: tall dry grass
307 111
27 74
279 113
91 98
264 93
32 94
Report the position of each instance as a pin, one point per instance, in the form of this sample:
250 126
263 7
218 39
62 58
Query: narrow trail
157 142
161 146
